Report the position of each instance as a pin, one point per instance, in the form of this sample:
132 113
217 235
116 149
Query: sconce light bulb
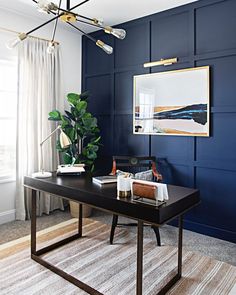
108 49
14 42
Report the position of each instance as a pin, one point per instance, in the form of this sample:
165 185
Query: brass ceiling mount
68 17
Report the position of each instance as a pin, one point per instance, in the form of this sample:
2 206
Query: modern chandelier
70 18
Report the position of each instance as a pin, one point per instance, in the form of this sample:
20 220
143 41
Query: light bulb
45 6
14 42
108 49
51 47
118 33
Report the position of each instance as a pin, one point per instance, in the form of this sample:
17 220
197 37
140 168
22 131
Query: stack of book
75 169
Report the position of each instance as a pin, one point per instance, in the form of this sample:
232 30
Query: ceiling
112 12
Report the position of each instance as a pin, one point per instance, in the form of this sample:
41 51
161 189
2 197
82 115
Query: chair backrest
135 165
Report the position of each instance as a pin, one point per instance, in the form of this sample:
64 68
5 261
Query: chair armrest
156 174
113 171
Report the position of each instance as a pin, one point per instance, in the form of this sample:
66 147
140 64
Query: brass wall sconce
162 62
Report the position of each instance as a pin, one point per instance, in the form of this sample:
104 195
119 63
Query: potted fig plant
82 129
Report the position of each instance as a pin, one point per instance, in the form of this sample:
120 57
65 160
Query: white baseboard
7 216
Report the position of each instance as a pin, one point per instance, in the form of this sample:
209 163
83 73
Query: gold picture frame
172 103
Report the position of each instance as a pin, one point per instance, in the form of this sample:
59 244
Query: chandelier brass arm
67 15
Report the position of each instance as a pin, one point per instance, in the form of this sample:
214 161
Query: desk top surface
83 190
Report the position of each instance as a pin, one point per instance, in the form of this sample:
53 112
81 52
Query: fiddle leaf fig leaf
54 116
87 115
73 98
97 139
71 133
65 121
67 158
81 106
89 122
70 115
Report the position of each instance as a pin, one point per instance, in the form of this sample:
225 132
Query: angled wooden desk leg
139 278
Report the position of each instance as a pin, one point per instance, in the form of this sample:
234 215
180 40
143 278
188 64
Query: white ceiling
112 12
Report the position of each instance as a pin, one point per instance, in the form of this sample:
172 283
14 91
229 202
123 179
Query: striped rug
108 268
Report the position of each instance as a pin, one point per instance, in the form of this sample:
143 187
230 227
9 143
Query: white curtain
39 93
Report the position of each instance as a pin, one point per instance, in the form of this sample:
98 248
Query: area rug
109 268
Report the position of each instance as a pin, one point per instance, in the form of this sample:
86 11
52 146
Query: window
8 107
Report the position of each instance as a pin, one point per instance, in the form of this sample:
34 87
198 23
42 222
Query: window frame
10 177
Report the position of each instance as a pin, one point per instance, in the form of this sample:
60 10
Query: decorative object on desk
65 142
123 185
172 103
104 179
148 192
69 17
144 175
75 169
82 129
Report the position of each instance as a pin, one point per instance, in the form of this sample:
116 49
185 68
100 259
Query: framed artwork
172 103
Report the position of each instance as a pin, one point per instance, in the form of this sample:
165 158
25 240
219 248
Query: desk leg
180 245
36 254
33 221
80 220
177 277
139 279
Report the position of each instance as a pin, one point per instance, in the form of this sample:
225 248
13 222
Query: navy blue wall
199 34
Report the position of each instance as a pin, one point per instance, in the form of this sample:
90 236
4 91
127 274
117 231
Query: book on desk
75 169
104 179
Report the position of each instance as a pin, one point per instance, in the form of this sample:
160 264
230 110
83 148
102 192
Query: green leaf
70 115
67 158
87 115
55 116
92 155
65 122
96 140
73 98
81 106
74 112
71 133
89 122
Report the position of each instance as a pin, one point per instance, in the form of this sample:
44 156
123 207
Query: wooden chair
134 165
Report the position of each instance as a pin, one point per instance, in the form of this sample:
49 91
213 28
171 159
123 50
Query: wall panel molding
200 33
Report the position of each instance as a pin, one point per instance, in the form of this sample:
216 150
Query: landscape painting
172 103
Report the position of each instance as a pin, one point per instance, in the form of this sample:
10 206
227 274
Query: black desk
82 190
